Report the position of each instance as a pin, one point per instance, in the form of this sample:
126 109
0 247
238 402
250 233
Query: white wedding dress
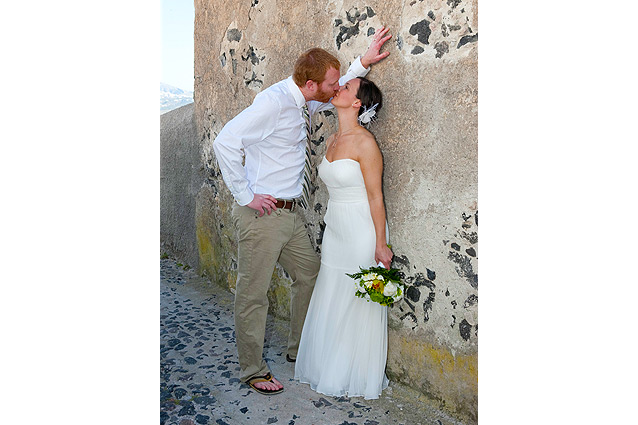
343 348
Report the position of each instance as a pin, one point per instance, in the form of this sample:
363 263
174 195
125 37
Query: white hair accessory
368 115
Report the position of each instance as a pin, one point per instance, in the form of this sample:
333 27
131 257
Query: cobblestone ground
199 378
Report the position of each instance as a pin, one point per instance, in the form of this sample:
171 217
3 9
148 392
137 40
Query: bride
343 346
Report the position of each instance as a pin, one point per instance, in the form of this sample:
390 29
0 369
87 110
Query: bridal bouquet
378 284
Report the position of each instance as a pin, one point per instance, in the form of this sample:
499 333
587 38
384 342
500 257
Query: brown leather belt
288 205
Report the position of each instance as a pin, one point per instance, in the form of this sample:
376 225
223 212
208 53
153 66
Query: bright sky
176 19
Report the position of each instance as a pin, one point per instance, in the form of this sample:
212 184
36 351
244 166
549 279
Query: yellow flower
378 285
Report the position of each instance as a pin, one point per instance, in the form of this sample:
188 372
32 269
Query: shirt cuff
245 197
358 68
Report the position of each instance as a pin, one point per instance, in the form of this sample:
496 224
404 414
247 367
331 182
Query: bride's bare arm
369 156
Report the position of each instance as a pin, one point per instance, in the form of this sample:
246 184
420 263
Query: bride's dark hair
369 94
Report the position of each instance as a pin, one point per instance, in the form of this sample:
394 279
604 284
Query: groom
261 154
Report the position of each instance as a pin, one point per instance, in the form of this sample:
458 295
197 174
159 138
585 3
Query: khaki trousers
262 242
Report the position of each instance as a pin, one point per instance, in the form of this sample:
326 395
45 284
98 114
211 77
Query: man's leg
301 262
259 245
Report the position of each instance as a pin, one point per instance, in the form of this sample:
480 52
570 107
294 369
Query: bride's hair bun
371 101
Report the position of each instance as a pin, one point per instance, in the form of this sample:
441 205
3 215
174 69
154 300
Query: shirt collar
296 93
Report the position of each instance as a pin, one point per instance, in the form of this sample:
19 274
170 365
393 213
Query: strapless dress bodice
344 180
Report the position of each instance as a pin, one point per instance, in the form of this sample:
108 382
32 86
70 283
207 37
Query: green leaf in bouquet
376 297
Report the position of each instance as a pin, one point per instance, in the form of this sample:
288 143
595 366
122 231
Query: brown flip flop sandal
266 378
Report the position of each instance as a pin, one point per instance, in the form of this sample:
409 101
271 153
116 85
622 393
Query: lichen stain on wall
436 365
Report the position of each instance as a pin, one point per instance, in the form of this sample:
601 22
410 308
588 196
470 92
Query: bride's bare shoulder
368 149
367 140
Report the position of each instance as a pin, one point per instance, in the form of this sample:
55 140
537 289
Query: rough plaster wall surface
180 181
427 132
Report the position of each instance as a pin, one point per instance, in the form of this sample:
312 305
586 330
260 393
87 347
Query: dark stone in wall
473 281
455 246
399 42
411 316
470 301
419 280
254 59
318 141
431 274
338 22
471 252
345 33
233 34
253 79
467 39
464 268
471 237
464 329
453 3
370 12
427 306
444 30
371 31
409 304
355 14
413 293
431 15
422 30
322 228
417 50
401 260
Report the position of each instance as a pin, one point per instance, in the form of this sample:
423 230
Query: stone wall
181 176
427 132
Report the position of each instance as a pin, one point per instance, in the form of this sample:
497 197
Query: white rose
398 297
369 276
390 289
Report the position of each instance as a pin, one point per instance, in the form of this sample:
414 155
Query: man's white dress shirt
271 135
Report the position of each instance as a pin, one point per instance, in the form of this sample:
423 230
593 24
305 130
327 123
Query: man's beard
324 96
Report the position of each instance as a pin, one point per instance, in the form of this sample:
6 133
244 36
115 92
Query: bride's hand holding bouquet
383 255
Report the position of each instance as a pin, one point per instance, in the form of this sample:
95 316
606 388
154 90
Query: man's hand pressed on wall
373 55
